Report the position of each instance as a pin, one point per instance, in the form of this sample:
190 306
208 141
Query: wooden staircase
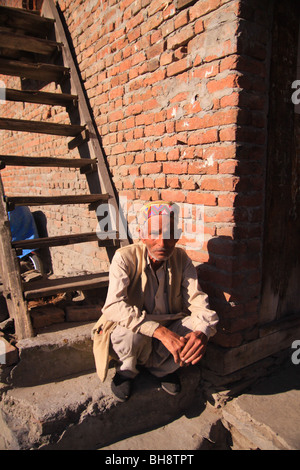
36 47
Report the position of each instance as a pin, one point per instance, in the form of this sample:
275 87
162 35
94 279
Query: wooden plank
64 240
10 274
55 200
25 21
227 361
19 42
52 162
40 127
39 71
41 97
48 287
279 325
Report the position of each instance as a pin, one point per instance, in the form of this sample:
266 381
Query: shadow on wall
229 289
214 278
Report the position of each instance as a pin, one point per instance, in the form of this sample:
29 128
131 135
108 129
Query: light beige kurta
140 300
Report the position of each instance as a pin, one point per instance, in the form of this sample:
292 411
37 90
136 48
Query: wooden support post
11 278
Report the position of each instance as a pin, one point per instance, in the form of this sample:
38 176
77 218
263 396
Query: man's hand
173 342
194 349
187 349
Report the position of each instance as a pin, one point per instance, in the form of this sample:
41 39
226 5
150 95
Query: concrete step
55 400
56 352
197 429
267 417
81 412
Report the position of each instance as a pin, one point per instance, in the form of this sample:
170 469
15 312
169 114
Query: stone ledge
267 416
81 412
57 352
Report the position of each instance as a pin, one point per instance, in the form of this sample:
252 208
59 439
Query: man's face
158 236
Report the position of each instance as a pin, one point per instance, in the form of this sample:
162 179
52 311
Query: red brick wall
178 91
12 3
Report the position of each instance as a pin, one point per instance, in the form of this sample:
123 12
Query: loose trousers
135 349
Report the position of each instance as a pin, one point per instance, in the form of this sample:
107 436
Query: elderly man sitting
154 316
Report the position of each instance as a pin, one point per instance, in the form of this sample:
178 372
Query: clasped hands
186 350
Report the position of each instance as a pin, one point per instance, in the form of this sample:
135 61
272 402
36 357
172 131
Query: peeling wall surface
180 95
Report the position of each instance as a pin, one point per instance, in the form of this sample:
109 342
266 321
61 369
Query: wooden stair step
41 97
26 21
63 240
55 200
51 162
20 42
48 287
41 127
34 71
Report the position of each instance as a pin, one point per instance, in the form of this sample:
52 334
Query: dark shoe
121 387
171 384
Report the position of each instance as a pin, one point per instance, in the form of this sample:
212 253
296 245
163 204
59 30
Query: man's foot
171 384
121 387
